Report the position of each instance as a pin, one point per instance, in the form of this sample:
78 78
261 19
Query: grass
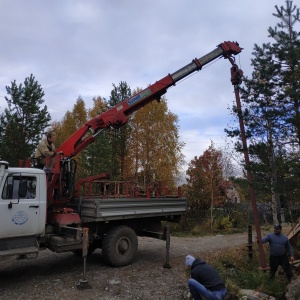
200 230
241 272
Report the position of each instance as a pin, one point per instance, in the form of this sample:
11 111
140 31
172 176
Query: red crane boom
116 116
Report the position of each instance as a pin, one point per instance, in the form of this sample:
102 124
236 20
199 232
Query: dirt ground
57 276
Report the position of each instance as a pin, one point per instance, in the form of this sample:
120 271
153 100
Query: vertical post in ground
168 240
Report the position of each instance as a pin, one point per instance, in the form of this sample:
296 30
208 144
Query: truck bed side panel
126 208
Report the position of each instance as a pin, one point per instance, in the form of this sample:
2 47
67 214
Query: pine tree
286 52
98 154
118 137
24 121
271 107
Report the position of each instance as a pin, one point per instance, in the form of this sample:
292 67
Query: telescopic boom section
116 116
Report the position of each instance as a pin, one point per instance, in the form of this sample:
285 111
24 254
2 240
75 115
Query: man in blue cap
279 247
205 280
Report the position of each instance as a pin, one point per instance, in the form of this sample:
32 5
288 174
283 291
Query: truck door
19 206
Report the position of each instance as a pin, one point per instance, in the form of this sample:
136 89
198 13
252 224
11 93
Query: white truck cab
23 199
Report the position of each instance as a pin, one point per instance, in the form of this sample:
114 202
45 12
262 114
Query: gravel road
56 276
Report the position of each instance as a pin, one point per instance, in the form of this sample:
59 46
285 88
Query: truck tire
120 246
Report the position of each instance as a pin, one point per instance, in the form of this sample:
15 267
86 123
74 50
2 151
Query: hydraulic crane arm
116 116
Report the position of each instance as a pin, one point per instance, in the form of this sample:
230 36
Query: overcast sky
81 47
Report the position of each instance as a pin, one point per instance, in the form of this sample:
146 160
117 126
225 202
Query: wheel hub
123 246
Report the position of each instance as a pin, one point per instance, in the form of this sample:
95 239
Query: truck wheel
120 246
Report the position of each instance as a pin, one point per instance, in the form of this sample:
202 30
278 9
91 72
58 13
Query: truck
47 210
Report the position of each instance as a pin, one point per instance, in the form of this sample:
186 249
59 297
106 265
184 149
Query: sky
82 47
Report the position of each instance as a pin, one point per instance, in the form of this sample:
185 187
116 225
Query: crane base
83 284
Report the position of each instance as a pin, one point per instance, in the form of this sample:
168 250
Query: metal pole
250 253
236 78
84 283
234 71
168 239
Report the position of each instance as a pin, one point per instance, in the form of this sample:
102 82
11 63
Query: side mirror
22 188
9 205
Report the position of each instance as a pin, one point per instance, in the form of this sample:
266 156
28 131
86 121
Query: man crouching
205 280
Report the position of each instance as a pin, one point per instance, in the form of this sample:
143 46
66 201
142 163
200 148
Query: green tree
271 107
286 53
118 138
263 121
98 154
24 121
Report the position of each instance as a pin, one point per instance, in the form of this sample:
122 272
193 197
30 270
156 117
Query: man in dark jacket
205 280
279 247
